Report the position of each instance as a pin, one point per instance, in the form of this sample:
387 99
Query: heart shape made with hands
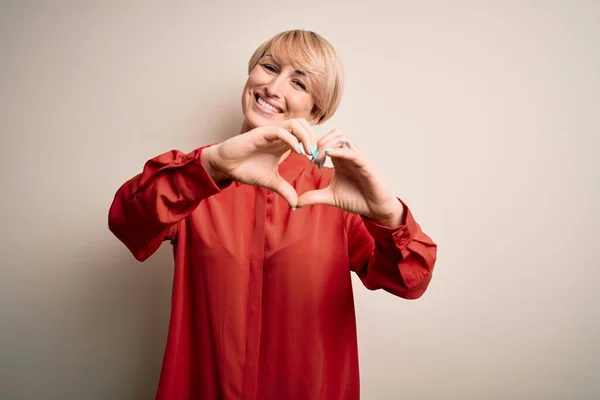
253 158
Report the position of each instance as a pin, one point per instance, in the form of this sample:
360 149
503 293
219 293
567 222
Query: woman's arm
147 208
399 260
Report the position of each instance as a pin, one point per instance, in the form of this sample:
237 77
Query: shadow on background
132 312
86 320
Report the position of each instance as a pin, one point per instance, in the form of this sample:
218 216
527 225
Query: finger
321 156
302 134
311 131
344 153
274 133
344 142
327 142
340 142
319 196
285 190
330 135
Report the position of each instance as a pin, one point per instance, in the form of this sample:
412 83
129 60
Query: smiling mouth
266 107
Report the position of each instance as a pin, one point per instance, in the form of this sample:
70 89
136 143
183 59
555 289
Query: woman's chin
256 121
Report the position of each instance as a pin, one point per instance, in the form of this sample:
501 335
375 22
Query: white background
482 115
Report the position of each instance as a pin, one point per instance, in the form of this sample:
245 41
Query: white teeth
268 106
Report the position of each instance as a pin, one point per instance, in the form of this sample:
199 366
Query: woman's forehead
279 55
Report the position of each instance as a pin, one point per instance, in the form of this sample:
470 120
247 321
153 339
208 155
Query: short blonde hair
311 53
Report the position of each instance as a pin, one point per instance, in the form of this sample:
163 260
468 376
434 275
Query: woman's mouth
266 107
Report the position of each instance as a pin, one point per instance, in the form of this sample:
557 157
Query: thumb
320 196
285 190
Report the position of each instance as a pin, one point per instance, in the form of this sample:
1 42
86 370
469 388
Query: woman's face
276 91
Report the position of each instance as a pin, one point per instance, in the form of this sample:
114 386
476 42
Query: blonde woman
265 239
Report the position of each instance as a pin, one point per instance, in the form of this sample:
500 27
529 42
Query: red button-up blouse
262 305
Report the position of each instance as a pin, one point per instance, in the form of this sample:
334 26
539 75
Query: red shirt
262 305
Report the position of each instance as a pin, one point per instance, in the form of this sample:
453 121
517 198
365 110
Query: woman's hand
355 186
253 157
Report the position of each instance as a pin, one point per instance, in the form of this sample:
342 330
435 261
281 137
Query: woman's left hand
355 186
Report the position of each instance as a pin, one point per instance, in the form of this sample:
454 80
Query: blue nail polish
320 164
301 149
315 153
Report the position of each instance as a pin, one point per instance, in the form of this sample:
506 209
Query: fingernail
301 149
315 151
327 149
320 164
293 208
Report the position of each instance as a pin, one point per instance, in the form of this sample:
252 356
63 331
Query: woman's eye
269 68
300 85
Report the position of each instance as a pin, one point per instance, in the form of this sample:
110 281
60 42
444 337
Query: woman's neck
245 127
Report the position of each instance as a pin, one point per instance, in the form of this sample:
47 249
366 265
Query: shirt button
399 233
178 160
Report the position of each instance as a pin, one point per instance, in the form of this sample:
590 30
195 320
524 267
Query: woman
265 238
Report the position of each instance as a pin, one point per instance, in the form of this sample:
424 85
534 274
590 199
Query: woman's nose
274 88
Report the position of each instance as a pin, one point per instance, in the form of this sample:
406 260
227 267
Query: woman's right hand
253 157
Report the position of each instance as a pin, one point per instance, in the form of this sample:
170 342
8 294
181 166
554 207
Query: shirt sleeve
399 260
147 208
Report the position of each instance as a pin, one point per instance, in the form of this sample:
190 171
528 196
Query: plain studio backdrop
482 115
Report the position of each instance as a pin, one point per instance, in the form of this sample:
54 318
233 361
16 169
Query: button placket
269 205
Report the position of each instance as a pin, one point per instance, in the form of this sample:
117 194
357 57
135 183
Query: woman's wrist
394 218
207 159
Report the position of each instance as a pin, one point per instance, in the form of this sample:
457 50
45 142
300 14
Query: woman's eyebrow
297 72
270 56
